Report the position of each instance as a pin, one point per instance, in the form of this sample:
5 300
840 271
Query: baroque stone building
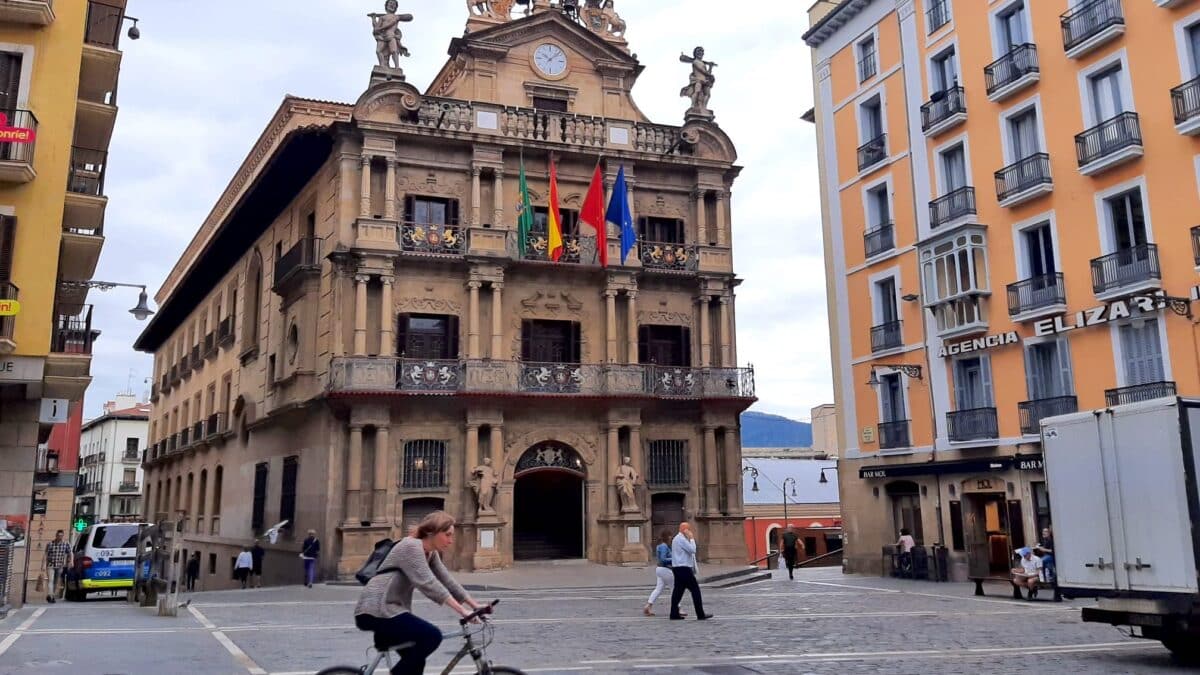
354 339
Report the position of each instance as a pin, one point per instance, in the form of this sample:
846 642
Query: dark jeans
399 629
191 581
789 558
685 577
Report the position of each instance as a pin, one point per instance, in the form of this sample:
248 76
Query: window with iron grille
668 463
424 464
287 494
258 514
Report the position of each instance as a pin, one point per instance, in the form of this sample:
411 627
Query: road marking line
16 634
927 595
238 655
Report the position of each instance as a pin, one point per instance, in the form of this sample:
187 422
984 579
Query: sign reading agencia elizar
978 344
1095 316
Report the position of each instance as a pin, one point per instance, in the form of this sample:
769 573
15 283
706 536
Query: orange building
1007 195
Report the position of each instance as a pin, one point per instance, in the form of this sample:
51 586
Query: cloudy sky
205 77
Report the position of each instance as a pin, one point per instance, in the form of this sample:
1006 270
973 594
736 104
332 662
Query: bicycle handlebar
478 613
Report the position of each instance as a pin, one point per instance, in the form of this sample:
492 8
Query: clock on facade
550 60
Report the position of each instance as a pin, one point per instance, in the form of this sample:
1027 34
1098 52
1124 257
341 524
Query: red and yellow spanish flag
554 218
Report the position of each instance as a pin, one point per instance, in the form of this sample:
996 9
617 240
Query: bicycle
475 649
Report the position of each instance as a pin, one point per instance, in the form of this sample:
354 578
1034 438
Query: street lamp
785 485
753 473
913 371
141 311
823 478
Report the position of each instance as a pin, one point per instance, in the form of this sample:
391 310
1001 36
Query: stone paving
821 623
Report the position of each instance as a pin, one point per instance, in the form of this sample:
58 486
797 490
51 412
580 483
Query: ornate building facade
355 337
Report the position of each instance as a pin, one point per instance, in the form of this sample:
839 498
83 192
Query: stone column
473 320
364 208
475 195
354 476
497 446
610 323
360 314
497 320
733 471
711 479
705 339
701 228
631 337
383 455
722 224
389 190
723 327
613 461
472 449
387 339
635 446
498 199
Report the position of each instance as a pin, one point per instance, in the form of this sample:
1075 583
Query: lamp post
141 311
785 485
753 473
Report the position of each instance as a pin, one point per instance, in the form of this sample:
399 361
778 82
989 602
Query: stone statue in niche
700 83
483 484
386 29
627 479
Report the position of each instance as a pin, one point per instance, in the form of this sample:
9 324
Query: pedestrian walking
193 571
256 554
683 567
243 566
790 549
662 571
58 558
310 552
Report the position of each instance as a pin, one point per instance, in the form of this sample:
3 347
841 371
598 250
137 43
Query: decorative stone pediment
708 141
387 102
430 305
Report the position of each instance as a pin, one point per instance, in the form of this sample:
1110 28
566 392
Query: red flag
592 216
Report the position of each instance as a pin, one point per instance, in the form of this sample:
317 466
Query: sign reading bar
1113 311
978 344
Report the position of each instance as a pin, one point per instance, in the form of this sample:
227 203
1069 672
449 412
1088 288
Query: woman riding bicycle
385 606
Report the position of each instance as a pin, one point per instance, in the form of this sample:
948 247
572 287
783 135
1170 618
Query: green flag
524 215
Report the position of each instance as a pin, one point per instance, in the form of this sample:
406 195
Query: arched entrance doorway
548 503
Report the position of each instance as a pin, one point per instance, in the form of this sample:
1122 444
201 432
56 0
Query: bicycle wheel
499 670
341 670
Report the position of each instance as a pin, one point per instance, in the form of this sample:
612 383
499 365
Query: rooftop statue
599 16
386 29
700 83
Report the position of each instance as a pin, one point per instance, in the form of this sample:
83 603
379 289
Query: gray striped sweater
390 594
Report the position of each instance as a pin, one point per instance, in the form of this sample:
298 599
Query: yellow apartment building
59 65
1007 191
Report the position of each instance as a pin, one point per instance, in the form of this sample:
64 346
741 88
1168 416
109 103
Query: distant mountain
762 430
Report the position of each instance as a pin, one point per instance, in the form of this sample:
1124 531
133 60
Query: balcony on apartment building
944 110
1138 392
663 256
1114 141
1090 25
16 158
198 435
8 324
129 487
1032 413
433 239
937 15
69 364
893 435
953 208
1185 103
208 346
28 12
215 424
867 66
872 152
879 240
886 336
81 248
1012 72
1126 271
225 332
301 261
100 66
1196 245
972 425
1037 297
130 455
1024 180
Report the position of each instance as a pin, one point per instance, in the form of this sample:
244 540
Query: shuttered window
1142 352
1048 369
10 81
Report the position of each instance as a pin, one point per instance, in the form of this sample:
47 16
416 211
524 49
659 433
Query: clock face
550 59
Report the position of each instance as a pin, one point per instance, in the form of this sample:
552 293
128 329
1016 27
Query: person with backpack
413 563
310 551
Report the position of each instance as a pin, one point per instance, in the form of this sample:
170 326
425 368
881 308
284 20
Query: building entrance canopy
985 465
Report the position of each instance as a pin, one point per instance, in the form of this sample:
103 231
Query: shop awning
984 465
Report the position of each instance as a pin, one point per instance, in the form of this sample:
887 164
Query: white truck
1126 515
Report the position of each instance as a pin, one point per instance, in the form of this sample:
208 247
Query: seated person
1045 550
1029 572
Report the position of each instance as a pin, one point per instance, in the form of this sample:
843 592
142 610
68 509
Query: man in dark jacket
310 551
789 549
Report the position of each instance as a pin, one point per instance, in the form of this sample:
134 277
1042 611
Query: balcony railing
103 24
886 336
73 331
305 254
942 106
537 247
893 435
130 456
129 487
197 359
1089 20
556 378
433 238
1126 267
8 324
432 375
1185 101
973 424
1032 412
225 331
1138 392
952 206
866 67
1196 245
675 257
210 344
1108 138
185 438
19 152
86 173
879 240
1023 175
215 424
937 15
1019 62
198 431
872 152
1027 295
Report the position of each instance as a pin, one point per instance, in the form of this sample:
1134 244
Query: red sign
14 134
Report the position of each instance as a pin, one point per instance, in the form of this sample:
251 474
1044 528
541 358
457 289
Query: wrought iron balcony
1030 175
225 331
879 240
937 15
671 256
866 67
1139 392
951 206
872 152
429 375
210 344
537 247
973 424
1116 136
1127 267
433 239
1034 293
129 487
131 456
16 158
1009 69
86 173
73 331
1032 412
1196 245
8 324
185 438
555 378
893 435
1185 102
198 431
215 424
197 359
103 24
304 256
942 107
1088 21
886 336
